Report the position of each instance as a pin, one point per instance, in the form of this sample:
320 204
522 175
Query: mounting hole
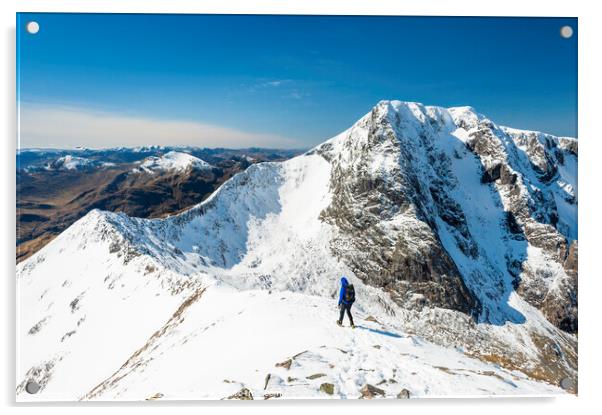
32 387
567 384
33 27
566 32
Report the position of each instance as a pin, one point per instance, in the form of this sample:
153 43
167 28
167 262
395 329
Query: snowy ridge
261 258
70 162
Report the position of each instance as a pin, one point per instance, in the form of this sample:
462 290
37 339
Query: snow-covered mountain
459 235
172 161
70 162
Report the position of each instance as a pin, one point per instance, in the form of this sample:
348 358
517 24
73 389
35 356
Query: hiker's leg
342 312
348 308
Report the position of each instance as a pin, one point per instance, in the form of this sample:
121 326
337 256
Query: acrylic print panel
283 207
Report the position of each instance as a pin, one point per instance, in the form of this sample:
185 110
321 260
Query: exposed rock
492 174
67 335
327 388
155 397
271 395
38 326
315 376
569 145
299 354
286 364
369 392
403 394
571 263
244 395
114 247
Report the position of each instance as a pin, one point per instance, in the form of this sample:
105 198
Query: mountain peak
173 161
416 115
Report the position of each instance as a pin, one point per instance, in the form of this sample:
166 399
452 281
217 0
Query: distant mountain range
57 187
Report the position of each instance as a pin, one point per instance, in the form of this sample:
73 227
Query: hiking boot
352 325
339 323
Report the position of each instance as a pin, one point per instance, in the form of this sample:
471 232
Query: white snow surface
70 162
103 314
173 161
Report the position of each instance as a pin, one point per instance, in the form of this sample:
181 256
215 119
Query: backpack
349 294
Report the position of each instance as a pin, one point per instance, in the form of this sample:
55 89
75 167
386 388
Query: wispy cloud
53 126
269 84
295 94
275 83
284 88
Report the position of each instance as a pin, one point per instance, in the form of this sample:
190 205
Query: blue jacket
344 284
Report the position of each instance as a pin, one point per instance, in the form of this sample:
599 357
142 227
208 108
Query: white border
590 70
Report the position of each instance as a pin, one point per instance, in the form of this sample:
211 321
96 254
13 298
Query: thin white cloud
52 126
298 94
274 83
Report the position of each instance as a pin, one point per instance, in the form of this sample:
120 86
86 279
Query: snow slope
201 304
230 339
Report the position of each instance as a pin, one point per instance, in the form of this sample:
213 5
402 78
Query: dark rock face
492 174
385 254
560 305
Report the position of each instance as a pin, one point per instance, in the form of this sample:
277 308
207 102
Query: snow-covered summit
173 161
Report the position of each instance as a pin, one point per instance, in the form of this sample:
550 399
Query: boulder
371 392
403 394
327 388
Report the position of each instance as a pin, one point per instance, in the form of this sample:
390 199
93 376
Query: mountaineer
346 299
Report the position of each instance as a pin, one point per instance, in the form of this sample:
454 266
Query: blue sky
280 81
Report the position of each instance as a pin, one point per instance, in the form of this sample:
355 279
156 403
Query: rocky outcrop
382 212
242 395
